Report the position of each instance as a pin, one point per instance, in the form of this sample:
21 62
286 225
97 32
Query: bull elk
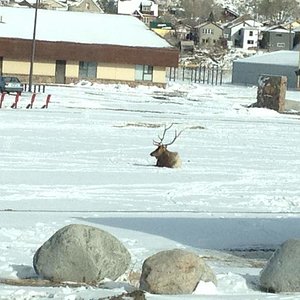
166 158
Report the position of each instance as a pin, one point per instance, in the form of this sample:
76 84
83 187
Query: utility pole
33 46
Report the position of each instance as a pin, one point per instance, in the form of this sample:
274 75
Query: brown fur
166 158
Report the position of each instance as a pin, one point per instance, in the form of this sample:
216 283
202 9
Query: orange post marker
47 102
2 99
15 104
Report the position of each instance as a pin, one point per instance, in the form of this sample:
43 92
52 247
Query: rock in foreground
81 253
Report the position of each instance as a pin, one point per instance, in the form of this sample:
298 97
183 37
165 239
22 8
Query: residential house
144 17
277 37
182 31
249 38
84 6
163 29
242 32
209 34
145 10
88 48
229 15
53 4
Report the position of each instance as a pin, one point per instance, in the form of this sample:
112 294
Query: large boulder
282 272
81 253
174 272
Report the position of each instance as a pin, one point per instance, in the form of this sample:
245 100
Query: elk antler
163 136
175 137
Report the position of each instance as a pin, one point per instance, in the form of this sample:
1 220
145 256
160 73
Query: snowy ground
86 160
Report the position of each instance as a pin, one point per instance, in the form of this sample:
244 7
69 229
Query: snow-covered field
86 160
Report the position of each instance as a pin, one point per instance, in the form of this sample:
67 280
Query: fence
36 87
202 74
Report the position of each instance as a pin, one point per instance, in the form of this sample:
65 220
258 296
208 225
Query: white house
242 32
249 37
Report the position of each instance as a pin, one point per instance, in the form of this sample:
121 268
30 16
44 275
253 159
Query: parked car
10 84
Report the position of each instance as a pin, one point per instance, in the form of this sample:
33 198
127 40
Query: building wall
44 72
209 35
159 74
72 69
273 40
115 72
250 41
248 73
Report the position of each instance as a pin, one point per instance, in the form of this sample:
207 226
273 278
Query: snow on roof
284 58
78 27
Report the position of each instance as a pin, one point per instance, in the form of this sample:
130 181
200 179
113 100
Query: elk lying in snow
166 158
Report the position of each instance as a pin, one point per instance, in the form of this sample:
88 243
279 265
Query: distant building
246 71
277 37
209 34
83 46
128 7
84 6
144 10
242 32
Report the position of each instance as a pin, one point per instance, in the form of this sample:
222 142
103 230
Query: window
207 31
143 73
87 69
146 8
280 45
250 42
250 33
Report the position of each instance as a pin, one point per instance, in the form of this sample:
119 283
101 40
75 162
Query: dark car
10 84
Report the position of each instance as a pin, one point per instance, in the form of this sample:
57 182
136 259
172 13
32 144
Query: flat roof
78 27
284 58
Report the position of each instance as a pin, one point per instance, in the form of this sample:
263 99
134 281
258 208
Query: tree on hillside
278 11
198 8
108 6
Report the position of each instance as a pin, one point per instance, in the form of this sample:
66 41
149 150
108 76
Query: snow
86 160
90 28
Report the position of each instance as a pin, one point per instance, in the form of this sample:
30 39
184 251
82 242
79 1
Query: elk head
166 158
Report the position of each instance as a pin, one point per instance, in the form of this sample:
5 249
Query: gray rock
174 272
282 272
81 253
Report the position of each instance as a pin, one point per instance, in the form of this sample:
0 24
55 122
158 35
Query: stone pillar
271 92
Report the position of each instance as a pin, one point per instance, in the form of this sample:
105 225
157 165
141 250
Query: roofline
20 49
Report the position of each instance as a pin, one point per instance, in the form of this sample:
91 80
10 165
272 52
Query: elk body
166 158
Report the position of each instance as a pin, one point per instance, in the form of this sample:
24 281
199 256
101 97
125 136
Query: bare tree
278 11
198 8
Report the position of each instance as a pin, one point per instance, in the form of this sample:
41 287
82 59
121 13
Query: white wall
250 41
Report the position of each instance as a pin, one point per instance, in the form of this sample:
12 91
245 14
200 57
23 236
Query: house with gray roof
277 37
